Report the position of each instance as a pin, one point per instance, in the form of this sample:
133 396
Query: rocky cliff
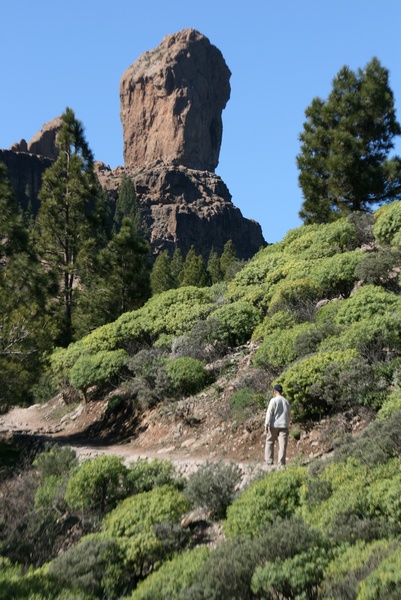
172 100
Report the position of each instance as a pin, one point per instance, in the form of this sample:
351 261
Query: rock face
25 172
171 103
182 207
171 100
43 142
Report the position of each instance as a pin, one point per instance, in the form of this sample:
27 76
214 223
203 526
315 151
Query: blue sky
282 53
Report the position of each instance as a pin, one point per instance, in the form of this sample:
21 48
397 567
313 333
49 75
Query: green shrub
186 375
320 241
148 524
388 224
305 382
279 348
391 405
367 302
50 494
377 443
335 276
18 584
375 267
144 475
384 583
149 384
236 322
142 511
96 369
279 320
352 565
295 295
97 485
245 402
228 571
213 486
173 576
95 565
296 577
298 239
277 495
58 461
358 500
374 337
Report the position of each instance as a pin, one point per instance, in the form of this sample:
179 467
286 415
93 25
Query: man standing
276 426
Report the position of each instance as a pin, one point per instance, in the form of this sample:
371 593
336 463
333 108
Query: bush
378 442
335 276
388 224
277 495
279 348
278 321
319 241
58 461
227 573
305 383
144 475
375 337
95 566
173 576
148 524
97 485
245 402
375 267
298 296
384 583
96 369
345 572
367 302
296 577
391 405
213 486
142 511
149 384
236 322
186 375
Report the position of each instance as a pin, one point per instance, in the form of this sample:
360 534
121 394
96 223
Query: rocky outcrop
25 172
171 102
43 142
182 207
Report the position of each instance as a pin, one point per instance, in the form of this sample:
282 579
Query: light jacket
278 413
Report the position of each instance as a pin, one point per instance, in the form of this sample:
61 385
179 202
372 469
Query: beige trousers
274 434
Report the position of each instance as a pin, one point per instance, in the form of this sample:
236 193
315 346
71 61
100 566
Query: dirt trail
44 422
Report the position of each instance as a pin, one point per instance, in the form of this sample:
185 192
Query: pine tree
194 272
228 260
127 204
119 283
24 324
177 267
72 215
161 277
214 267
343 163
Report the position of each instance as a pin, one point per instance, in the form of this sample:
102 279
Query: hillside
168 404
